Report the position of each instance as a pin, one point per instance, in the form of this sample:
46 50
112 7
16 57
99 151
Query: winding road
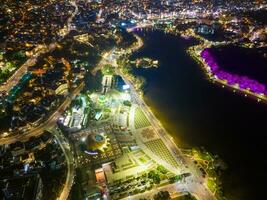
65 146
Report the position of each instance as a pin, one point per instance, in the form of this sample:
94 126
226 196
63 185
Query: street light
83 139
5 134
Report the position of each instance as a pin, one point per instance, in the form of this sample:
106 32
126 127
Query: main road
65 146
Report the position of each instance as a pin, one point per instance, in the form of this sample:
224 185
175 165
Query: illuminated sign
91 152
126 87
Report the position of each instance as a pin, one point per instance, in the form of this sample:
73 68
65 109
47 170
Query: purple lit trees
232 79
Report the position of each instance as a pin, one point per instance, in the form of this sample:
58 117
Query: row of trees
165 195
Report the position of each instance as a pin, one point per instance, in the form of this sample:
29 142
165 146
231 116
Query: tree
175 178
93 83
162 169
162 195
188 197
154 176
10 65
127 103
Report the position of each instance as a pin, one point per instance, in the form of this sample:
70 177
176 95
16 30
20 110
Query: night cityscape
133 99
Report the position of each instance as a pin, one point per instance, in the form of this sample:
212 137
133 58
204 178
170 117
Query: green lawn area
9 63
143 160
159 148
140 120
7 71
108 70
212 185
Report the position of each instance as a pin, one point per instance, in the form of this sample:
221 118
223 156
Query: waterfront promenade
194 184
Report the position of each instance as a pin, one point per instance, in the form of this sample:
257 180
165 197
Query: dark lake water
198 113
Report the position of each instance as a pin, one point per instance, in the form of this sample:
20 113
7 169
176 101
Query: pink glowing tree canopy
244 82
